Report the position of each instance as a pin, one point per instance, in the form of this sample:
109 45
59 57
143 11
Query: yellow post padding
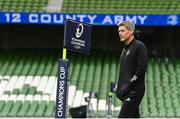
64 53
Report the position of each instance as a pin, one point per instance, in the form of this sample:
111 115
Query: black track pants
130 107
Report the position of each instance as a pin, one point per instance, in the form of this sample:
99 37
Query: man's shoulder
140 43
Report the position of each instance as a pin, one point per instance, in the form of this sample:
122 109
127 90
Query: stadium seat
28 84
121 6
23 5
24 108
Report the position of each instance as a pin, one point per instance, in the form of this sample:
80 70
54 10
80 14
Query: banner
77 36
62 89
95 19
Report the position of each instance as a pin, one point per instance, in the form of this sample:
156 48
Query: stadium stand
92 6
28 78
121 6
23 5
28 84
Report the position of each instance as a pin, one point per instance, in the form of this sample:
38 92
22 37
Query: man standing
133 65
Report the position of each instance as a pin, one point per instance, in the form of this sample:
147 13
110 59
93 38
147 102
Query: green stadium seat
2 104
121 6
25 89
7 108
32 109
24 108
22 5
15 109
50 110
41 109
28 84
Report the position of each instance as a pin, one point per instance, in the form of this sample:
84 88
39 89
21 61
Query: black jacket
133 65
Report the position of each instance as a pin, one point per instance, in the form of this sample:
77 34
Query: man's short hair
128 24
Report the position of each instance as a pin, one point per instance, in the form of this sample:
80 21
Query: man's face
124 33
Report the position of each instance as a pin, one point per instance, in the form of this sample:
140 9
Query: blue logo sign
62 89
95 19
77 36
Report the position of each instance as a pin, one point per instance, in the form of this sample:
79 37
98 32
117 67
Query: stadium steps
89 79
81 82
104 90
96 81
90 74
74 78
54 6
114 73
